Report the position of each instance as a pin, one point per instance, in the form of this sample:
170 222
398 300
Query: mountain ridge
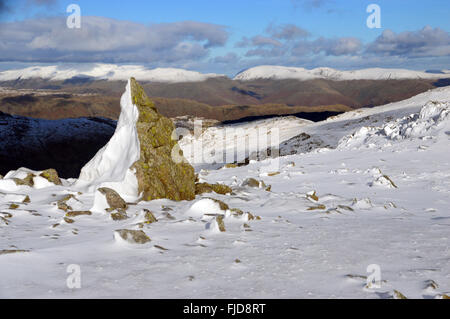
115 72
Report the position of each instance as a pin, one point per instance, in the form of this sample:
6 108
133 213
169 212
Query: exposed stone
13 206
168 216
158 175
345 207
318 207
120 214
78 213
236 212
12 251
313 196
273 174
431 284
399 295
27 181
113 199
51 175
4 221
132 236
68 220
26 200
220 223
201 188
62 203
222 205
6 215
251 182
230 165
149 217
390 181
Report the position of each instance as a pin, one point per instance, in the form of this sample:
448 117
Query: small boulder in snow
120 214
62 203
51 175
27 181
78 213
201 188
149 217
131 236
113 199
217 225
251 182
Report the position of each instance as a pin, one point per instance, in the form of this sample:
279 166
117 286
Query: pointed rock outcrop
142 160
161 171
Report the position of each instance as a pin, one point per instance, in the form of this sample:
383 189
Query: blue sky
231 35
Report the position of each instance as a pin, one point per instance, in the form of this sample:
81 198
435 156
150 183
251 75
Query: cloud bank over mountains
209 47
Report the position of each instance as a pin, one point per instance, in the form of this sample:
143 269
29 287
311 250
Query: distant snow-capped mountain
100 71
282 73
114 72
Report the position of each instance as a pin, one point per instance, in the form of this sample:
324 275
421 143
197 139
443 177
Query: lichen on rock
120 214
27 181
201 188
149 217
158 175
51 175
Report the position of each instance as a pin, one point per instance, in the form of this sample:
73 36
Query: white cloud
108 40
421 43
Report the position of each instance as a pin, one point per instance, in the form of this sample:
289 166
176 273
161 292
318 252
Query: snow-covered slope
373 194
106 71
281 72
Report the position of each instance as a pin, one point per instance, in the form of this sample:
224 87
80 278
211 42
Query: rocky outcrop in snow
138 161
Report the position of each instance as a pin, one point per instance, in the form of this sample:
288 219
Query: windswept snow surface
103 71
282 72
375 192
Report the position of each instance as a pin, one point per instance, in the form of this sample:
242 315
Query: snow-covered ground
370 187
282 72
